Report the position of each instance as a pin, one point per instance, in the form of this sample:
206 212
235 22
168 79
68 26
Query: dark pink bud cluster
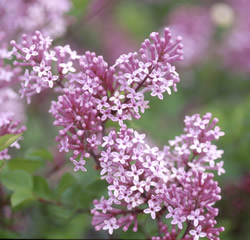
160 183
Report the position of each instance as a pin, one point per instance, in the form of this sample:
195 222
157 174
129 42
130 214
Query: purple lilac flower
164 184
189 22
36 52
173 183
196 144
95 92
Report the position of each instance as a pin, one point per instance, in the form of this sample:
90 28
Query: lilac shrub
170 183
92 91
175 183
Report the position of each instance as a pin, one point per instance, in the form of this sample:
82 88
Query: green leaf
60 212
66 181
97 187
16 180
24 164
41 187
136 18
8 139
79 6
111 124
39 154
20 196
75 228
7 234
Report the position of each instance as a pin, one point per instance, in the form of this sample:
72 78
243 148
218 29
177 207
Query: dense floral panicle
145 180
121 87
150 70
27 16
97 92
37 53
76 112
95 67
194 149
189 22
126 166
235 48
199 194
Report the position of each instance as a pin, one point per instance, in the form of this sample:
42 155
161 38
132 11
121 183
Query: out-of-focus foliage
40 188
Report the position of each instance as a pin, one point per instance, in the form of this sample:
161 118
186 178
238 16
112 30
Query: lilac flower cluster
96 93
36 52
187 21
172 183
196 144
17 16
26 16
